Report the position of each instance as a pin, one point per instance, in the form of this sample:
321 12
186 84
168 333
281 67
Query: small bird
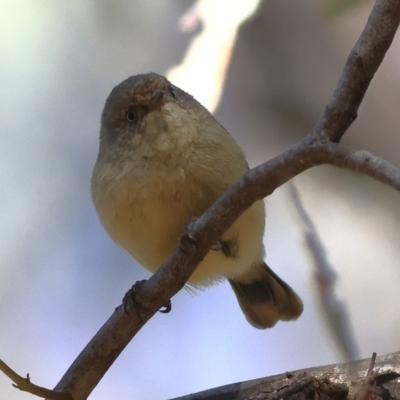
164 159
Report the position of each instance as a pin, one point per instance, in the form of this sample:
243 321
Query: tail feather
265 298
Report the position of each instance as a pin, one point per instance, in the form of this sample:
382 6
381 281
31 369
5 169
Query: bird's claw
217 246
132 299
167 308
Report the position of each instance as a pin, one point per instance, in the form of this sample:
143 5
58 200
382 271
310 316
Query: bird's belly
150 231
147 231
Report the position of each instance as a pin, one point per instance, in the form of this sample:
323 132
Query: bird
164 159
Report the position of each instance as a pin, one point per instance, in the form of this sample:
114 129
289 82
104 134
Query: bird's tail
265 298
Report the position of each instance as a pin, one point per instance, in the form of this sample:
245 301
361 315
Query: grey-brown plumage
164 159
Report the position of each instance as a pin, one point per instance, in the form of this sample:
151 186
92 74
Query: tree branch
362 63
330 382
315 149
25 385
364 162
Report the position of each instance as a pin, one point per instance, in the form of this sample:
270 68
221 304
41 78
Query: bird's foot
167 308
133 300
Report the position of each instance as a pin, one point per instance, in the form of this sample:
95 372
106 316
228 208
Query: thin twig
26 385
366 389
370 375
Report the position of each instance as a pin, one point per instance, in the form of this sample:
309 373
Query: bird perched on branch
164 159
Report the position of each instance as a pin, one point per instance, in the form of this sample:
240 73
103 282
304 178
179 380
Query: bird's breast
144 211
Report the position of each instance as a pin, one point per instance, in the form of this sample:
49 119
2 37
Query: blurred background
61 276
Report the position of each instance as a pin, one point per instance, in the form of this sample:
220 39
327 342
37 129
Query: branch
315 149
330 382
364 162
26 385
362 63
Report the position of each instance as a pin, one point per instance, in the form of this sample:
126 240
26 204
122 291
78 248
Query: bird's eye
131 116
172 92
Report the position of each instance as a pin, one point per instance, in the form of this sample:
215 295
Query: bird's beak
156 100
